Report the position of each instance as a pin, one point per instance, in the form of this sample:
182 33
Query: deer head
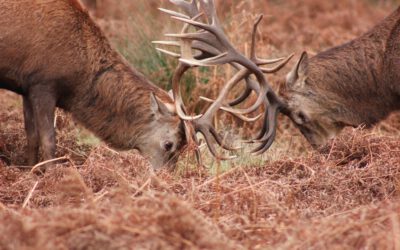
164 138
310 109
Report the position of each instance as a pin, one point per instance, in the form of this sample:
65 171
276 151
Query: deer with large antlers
357 83
354 84
54 55
215 49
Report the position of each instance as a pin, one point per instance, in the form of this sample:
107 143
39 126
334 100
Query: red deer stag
54 55
357 83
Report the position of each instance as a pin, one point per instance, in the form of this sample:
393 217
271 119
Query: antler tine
269 61
173 13
278 67
190 8
209 9
265 145
271 114
268 133
186 52
170 53
179 105
253 55
251 86
203 41
191 36
210 134
245 118
246 93
241 117
212 61
205 49
213 149
200 25
168 43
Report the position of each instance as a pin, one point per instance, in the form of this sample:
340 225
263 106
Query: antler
201 123
216 49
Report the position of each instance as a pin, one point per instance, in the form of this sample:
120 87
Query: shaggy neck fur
359 82
114 103
117 107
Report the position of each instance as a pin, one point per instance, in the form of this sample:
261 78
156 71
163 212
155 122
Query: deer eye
168 145
303 117
300 118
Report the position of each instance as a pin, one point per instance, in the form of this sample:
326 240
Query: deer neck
116 107
351 82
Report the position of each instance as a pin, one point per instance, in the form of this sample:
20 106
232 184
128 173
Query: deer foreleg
43 105
32 133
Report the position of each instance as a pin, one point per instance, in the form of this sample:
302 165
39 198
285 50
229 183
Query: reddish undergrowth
344 196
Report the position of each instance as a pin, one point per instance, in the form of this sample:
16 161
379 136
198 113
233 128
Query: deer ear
298 71
160 108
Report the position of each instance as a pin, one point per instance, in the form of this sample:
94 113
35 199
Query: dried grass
344 196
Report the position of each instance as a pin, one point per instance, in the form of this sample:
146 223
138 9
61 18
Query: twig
72 151
111 150
102 193
27 199
331 150
246 188
218 177
370 152
142 187
252 190
48 161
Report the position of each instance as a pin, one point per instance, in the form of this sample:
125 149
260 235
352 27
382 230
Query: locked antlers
215 49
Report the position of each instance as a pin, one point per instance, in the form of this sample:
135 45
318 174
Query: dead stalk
220 176
252 190
34 168
28 198
142 187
